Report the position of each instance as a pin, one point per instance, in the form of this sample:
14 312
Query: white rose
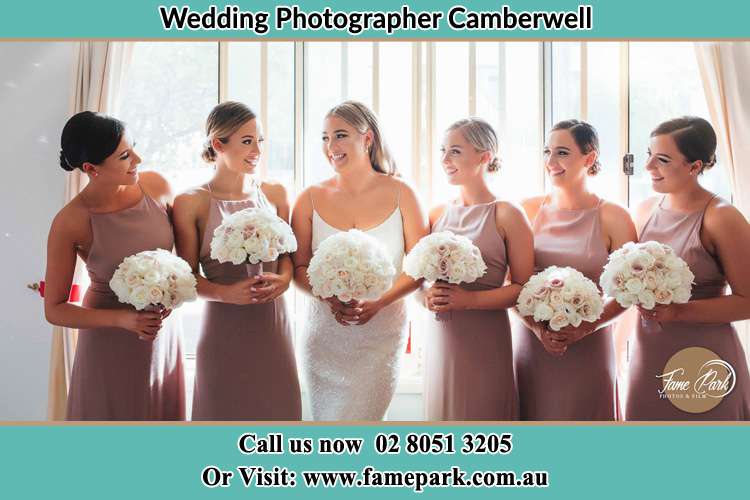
558 320
543 312
647 299
634 285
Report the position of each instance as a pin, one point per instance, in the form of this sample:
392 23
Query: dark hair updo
694 137
89 138
586 138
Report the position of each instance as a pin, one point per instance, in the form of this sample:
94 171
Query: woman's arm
67 228
729 233
302 227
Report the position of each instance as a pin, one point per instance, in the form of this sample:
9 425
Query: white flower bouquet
646 274
445 256
560 296
252 236
154 279
351 265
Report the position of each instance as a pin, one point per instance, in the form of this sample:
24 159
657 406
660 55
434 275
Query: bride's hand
337 309
363 311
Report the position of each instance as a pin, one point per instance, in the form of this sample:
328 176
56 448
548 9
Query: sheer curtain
97 79
724 68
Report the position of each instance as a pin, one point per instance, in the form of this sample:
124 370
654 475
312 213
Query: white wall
35 89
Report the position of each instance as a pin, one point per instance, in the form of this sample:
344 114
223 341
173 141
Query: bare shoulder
303 204
614 213
436 212
193 200
531 205
507 210
275 192
721 215
72 221
644 208
406 192
155 185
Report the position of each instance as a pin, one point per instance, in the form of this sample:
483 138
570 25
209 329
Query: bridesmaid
469 357
351 351
245 365
128 364
570 374
712 237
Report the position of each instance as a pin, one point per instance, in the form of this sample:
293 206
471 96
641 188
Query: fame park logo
696 380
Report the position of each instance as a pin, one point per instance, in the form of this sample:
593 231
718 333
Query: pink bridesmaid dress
655 343
580 384
245 364
468 354
115 375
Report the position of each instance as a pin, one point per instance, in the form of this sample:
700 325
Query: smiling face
343 145
119 168
669 169
461 161
241 151
564 160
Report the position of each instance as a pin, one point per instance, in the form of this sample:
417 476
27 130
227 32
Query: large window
417 89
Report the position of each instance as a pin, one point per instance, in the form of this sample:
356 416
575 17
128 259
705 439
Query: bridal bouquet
447 257
647 274
560 296
154 279
252 235
352 266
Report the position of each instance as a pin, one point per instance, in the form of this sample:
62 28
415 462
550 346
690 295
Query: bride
350 352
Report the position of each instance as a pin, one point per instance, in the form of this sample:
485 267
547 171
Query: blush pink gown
580 384
245 363
468 354
115 375
654 343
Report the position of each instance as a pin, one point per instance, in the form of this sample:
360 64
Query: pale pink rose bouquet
560 297
445 256
646 274
252 236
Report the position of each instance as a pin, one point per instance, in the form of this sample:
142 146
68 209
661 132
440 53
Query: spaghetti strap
312 202
708 203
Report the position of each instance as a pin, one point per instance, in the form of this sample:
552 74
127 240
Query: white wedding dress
351 371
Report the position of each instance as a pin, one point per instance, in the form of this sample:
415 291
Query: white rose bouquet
560 296
154 279
646 274
351 265
447 257
253 236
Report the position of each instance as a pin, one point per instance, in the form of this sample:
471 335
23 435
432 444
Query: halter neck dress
245 363
117 376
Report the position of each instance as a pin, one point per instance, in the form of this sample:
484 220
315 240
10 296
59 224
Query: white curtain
724 68
97 80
